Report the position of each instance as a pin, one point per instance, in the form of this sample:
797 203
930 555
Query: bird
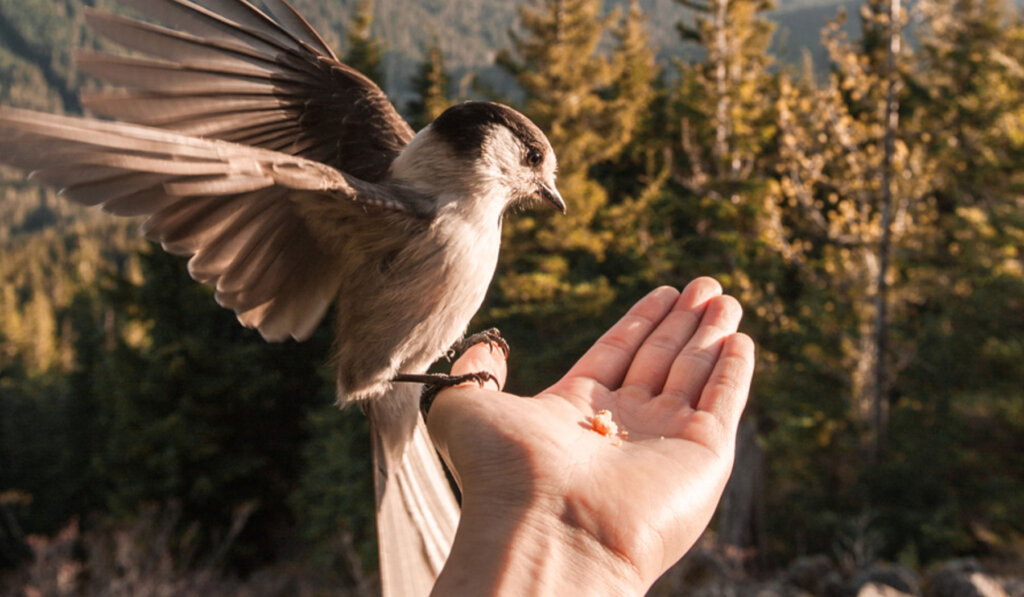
292 185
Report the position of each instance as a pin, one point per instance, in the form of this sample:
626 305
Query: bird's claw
433 383
491 337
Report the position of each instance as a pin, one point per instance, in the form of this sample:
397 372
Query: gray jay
292 184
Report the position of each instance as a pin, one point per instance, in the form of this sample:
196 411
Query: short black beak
551 195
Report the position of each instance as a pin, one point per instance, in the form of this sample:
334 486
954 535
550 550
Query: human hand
550 505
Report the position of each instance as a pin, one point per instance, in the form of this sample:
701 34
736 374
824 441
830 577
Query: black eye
534 158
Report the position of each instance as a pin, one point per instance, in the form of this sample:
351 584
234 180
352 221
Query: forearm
531 552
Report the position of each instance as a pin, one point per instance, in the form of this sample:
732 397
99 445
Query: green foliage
334 499
205 413
364 52
431 87
32 415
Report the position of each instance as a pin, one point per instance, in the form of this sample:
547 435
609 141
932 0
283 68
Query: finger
693 366
608 360
653 361
727 389
483 357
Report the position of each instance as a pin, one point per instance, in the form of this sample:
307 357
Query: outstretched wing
233 72
243 214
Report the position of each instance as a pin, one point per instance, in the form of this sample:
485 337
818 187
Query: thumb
483 357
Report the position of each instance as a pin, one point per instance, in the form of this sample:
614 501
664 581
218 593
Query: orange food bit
602 423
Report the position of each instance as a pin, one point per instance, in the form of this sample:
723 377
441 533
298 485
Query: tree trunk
741 512
880 410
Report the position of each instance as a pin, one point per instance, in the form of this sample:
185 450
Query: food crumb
602 423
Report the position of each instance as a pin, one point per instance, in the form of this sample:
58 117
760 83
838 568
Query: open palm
674 374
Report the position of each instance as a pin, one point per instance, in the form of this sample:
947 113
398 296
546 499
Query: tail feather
416 510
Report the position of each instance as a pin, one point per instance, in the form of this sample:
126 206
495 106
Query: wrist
531 550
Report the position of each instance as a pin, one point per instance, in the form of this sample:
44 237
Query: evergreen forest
863 199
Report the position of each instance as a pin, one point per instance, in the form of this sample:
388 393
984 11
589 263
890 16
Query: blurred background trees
122 384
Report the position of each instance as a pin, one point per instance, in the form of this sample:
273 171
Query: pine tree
636 176
364 52
633 62
842 155
556 63
723 95
11 322
968 56
431 88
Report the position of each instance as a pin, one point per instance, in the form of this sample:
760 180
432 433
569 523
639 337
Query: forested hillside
867 208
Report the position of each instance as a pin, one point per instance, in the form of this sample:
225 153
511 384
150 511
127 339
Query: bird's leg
433 383
490 336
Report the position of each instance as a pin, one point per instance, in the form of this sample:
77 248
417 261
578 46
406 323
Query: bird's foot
491 337
433 383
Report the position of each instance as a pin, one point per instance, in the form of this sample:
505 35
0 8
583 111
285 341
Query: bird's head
483 151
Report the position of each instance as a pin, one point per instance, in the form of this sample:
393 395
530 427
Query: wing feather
219 185
171 110
62 177
262 241
278 318
140 203
298 26
235 210
219 70
113 186
270 280
185 227
306 145
206 23
168 77
225 126
214 257
178 46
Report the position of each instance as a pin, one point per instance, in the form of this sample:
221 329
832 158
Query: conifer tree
431 88
633 63
970 85
723 95
364 52
11 324
888 186
723 127
556 63
970 82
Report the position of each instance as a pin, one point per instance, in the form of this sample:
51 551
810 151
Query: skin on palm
675 376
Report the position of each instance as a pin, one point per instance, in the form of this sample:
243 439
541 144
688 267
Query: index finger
609 358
